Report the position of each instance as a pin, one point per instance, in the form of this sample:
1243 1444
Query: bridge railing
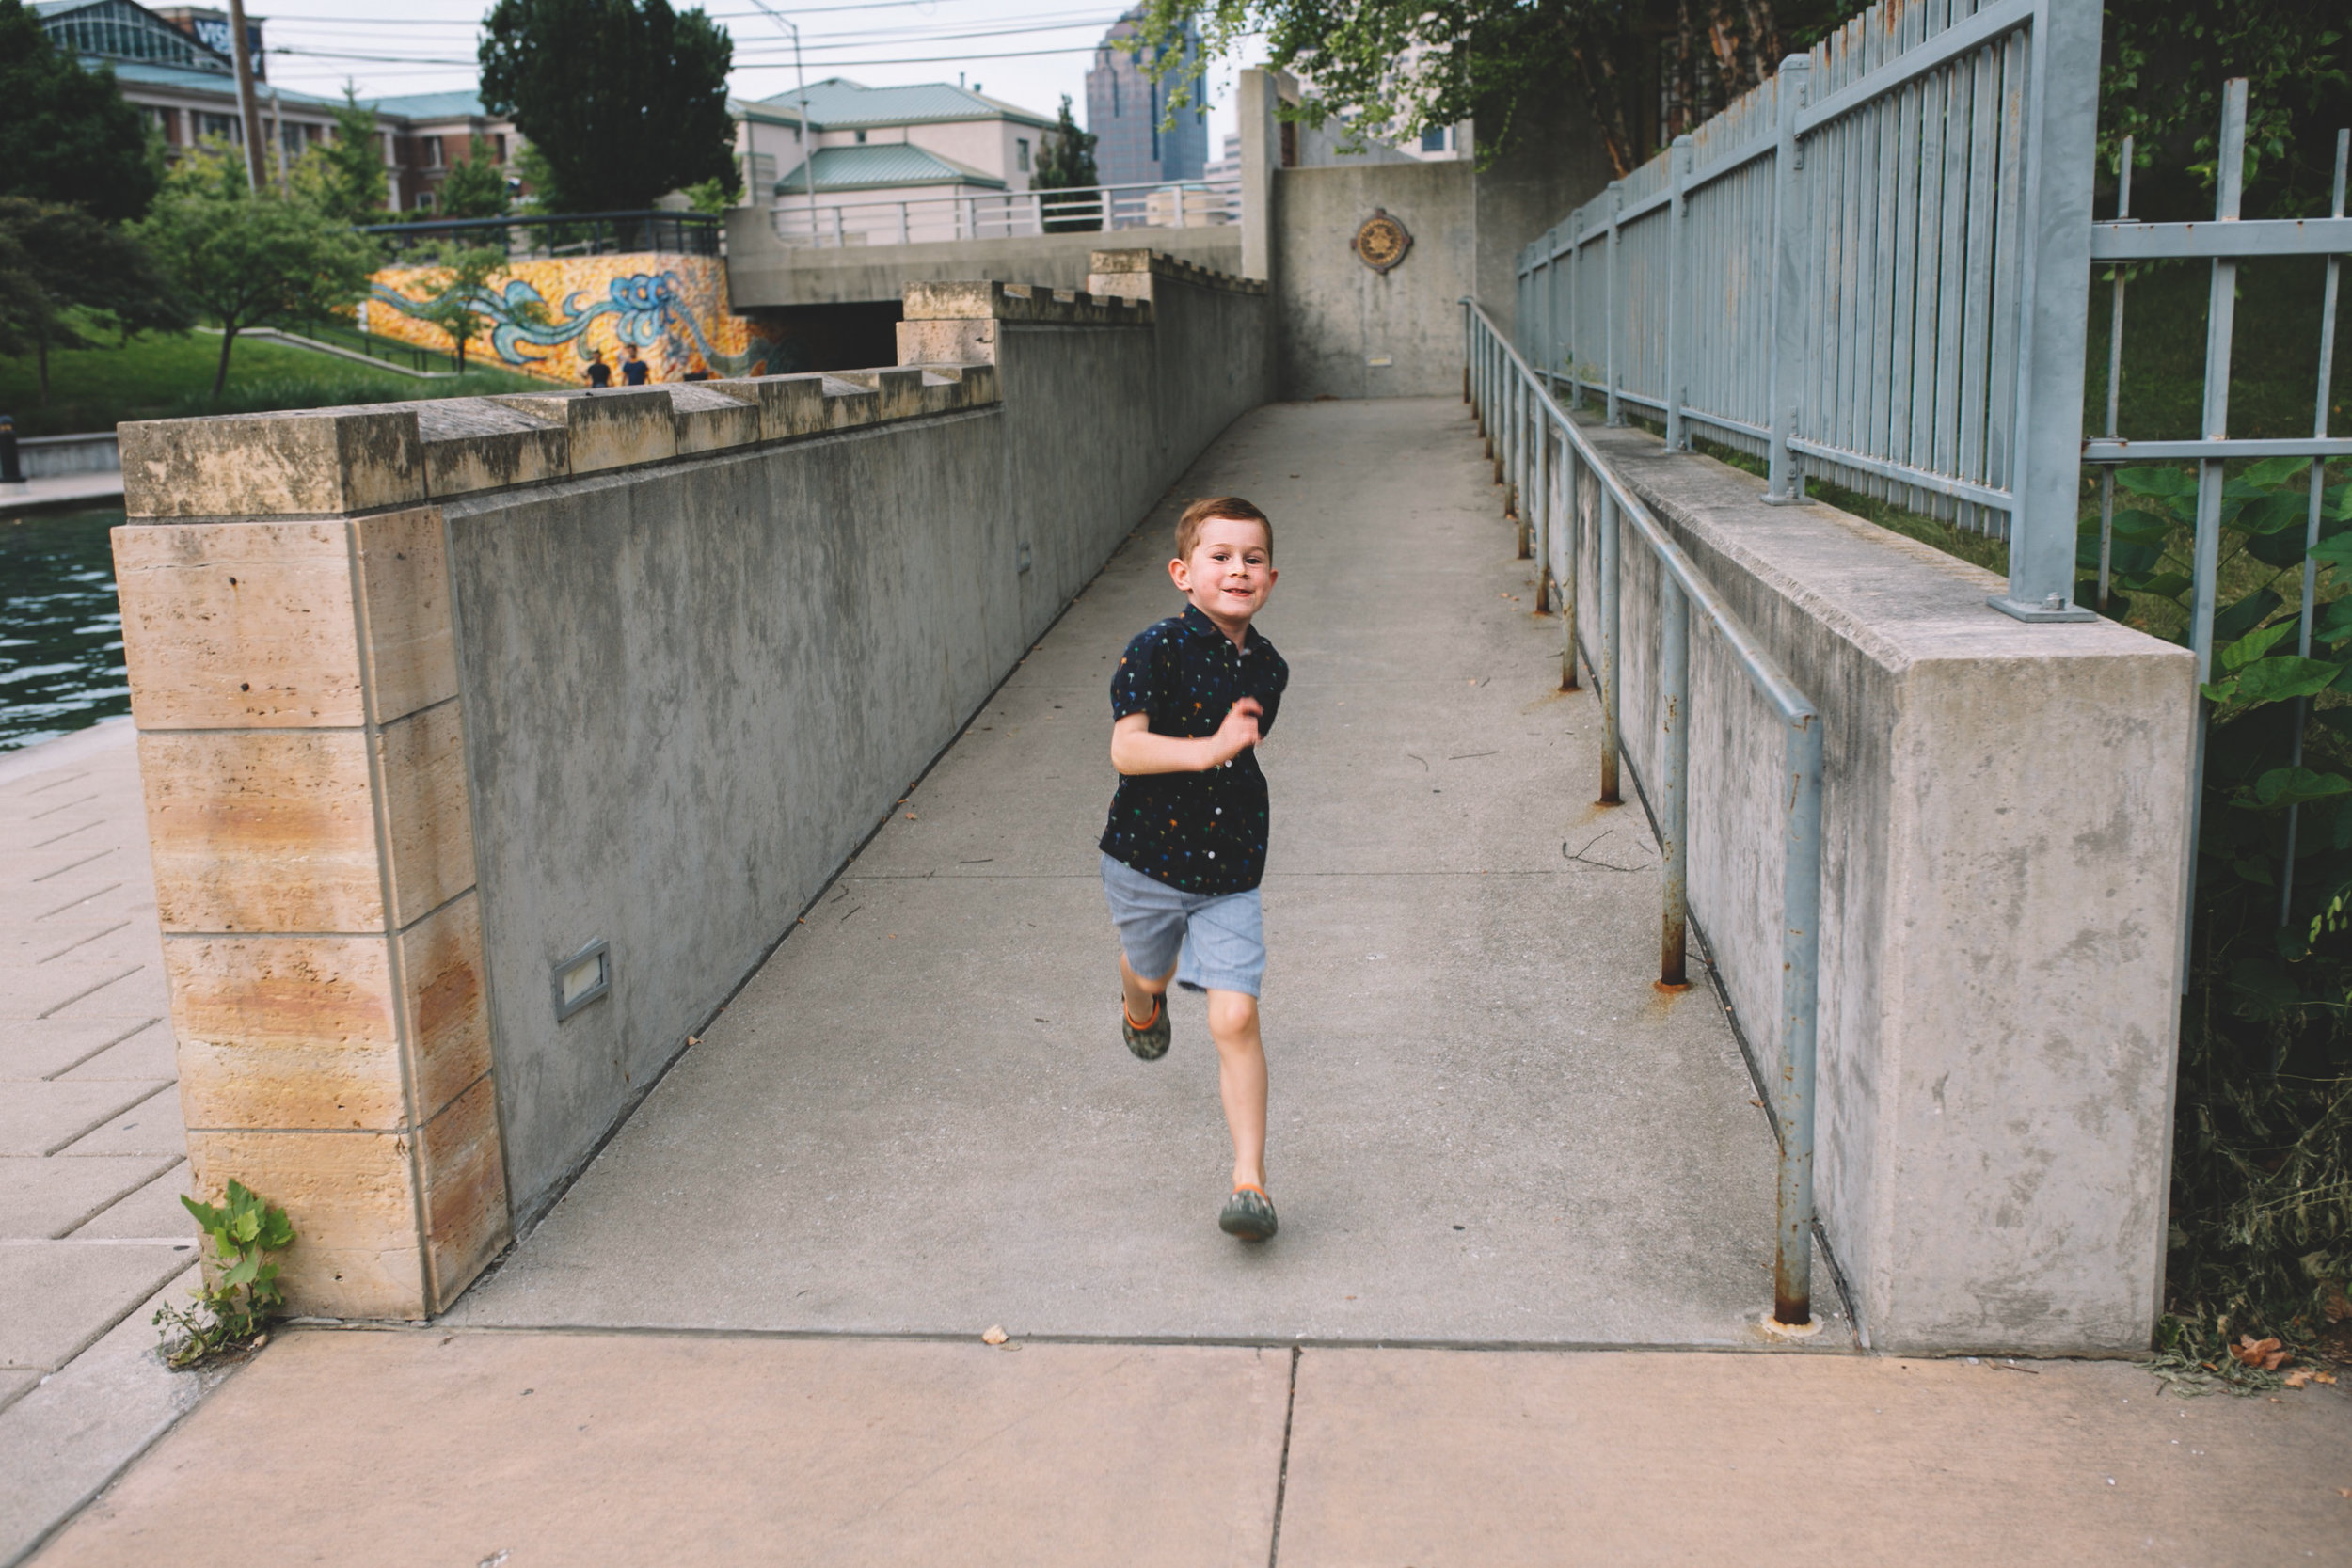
1542 454
1174 204
1874 267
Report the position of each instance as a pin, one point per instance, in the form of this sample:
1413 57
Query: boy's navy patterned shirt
1203 833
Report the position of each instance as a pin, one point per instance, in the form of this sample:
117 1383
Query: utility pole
808 141
250 110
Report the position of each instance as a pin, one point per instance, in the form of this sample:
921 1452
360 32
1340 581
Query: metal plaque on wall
1382 241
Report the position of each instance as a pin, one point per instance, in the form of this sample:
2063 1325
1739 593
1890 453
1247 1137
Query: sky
1027 52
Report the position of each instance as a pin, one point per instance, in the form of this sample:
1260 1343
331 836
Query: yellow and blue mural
545 317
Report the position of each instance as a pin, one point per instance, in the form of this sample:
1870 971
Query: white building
929 149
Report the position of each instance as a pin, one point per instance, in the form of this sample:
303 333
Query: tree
715 197
624 100
63 272
465 276
67 136
344 177
475 186
1648 70
248 258
1065 162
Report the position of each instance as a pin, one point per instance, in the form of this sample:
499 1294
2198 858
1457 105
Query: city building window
424 201
498 145
432 151
1020 153
1433 139
861 137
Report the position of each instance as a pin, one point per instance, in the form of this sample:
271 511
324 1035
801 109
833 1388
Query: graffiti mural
546 317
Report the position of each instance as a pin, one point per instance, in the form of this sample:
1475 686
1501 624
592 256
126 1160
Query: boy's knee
1231 1011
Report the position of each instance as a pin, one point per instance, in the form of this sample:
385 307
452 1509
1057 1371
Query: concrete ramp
1488 1126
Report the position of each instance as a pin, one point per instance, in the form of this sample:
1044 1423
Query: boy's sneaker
1149 1041
1248 1214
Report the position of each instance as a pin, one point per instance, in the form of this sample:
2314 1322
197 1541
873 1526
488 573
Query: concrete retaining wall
434 696
764 273
2005 833
52 456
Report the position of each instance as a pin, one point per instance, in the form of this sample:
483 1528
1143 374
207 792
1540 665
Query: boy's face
1229 572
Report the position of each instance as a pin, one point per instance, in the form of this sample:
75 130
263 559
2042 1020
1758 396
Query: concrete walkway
1488 1126
92 1149
62 490
467 1447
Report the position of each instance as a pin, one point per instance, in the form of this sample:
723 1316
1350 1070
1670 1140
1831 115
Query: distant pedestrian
1186 845
599 374
633 370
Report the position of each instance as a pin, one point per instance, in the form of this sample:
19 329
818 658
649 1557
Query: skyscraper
1124 107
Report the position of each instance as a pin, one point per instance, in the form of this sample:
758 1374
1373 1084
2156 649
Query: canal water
60 628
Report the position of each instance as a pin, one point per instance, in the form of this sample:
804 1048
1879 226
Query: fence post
1576 297
1609 706
1539 487
1785 483
1677 309
1609 313
2053 298
1674 718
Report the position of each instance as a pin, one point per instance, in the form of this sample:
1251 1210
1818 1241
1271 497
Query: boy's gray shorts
1216 940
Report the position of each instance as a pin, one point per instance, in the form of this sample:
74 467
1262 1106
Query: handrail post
2053 299
1674 812
1609 307
1800 951
1609 705
1542 487
1784 372
1677 327
1570 557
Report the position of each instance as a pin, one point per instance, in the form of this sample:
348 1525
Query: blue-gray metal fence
1873 268
2225 241
1541 453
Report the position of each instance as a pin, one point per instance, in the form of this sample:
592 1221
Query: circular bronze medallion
1382 242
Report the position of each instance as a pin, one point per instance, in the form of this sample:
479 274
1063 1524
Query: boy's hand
1237 734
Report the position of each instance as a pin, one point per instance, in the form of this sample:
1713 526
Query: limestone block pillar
1261 154
287 628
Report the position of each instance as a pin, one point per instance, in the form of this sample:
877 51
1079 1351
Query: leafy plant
2262 1201
343 176
241 1295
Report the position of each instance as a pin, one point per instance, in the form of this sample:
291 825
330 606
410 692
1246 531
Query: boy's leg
1142 995
1241 1080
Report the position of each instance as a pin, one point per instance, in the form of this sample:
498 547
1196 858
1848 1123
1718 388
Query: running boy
1185 846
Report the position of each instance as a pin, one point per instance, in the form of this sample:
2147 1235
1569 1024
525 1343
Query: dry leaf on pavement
995 1335
2266 1354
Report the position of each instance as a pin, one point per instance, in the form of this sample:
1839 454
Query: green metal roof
839 104
882 166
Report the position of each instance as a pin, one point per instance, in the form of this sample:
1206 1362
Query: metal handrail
1523 422
1004 215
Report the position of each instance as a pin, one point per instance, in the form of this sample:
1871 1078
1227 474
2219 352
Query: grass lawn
161 376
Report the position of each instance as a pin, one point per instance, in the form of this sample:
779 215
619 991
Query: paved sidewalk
92 1154
38 495
1487 1125
522 1449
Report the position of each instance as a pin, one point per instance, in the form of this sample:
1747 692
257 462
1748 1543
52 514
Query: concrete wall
2005 830
432 696
51 456
763 272
1339 319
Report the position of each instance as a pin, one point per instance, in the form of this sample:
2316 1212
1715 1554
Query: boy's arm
1135 749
